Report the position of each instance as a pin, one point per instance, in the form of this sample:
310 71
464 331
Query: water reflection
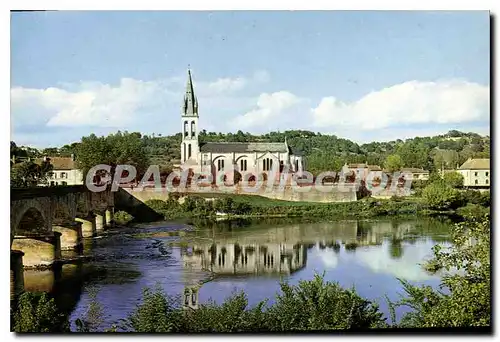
253 256
245 259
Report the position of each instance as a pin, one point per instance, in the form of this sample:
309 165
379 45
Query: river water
249 256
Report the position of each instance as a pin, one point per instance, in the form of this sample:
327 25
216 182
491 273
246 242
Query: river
252 256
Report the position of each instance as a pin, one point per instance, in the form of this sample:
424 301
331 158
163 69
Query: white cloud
408 267
130 103
414 102
269 107
227 84
231 103
91 104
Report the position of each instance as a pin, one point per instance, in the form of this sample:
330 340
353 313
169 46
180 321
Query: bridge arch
31 219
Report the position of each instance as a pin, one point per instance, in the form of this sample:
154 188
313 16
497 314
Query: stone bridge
46 220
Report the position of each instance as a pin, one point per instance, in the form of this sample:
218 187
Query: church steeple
189 118
190 105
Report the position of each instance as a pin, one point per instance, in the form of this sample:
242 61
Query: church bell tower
189 146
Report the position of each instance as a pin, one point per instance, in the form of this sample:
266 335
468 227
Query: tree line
323 152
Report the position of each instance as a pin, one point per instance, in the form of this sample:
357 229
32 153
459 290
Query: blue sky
360 75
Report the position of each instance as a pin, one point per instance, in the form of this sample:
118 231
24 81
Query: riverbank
228 206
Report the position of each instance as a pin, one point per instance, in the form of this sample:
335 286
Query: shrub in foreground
122 217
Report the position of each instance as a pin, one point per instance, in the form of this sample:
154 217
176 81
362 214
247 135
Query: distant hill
324 152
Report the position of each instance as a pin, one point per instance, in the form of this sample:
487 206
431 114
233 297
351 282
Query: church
257 159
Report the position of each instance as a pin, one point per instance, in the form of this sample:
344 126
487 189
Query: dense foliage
120 148
308 306
36 312
465 298
29 174
122 217
324 152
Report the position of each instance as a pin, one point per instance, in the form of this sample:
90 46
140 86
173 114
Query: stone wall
287 194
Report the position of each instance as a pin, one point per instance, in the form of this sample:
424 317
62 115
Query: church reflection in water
281 250
245 259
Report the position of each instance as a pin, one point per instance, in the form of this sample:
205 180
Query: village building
64 171
416 173
363 170
248 158
476 173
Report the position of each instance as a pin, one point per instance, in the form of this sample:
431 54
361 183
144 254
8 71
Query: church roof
238 147
190 104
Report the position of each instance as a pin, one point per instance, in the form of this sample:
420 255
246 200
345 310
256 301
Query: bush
472 196
468 303
454 180
156 314
36 312
471 211
316 305
311 305
439 196
157 205
122 217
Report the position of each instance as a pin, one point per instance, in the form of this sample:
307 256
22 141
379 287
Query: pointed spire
190 106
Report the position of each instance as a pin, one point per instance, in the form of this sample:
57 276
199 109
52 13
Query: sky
361 75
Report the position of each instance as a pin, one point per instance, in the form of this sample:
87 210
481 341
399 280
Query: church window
296 165
267 164
185 128
243 165
184 150
220 164
193 298
189 151
192 129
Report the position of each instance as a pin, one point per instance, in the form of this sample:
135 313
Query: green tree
115 149
468 301
36 312
440 196
393 163
156 314
30 174
454 179
319 305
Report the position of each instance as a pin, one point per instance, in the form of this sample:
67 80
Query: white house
64 171
476 173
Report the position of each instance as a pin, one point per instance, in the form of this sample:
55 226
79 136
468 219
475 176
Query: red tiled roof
60 163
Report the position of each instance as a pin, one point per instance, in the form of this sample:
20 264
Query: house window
486 181
243 165
475 174
220 164
487 173
52 183
64 175
476 180
64 183
55 175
